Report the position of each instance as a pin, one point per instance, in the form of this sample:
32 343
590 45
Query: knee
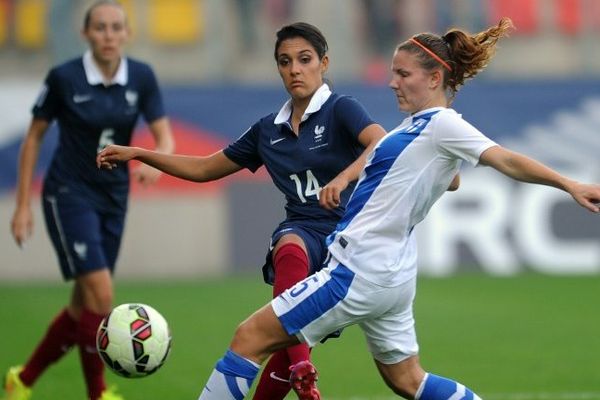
101 298
98 299
405 380
248 341
257 340
105 302
405 386
241 331
246 332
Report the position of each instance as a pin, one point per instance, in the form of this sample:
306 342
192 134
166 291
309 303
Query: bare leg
261 335
404 377
409 380
94 292
91 301
255 339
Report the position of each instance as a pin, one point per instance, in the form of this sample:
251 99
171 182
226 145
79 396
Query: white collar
315 104
95 77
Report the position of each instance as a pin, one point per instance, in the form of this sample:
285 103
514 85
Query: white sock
231 379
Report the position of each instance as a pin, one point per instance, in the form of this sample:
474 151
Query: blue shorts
84 238
313 236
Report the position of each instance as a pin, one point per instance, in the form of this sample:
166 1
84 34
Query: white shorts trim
336 297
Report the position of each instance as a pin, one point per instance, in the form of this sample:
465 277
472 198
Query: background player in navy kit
313 149
370 279
96 100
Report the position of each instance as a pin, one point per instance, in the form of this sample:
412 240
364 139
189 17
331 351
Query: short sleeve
244 151
352 115
459 139
48 100
152 103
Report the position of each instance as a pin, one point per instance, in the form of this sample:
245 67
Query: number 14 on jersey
311 186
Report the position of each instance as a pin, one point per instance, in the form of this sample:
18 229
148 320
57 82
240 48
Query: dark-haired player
313 149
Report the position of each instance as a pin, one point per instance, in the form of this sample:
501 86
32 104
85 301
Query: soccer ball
133 340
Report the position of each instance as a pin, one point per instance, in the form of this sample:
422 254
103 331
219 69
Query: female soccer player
96 100
313 149
370 278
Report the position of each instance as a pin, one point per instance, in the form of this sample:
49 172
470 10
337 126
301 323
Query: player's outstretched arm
525 169
191 168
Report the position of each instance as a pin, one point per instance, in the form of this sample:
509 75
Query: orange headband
431 53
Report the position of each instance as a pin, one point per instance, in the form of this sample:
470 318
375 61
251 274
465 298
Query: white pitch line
544 396
507 396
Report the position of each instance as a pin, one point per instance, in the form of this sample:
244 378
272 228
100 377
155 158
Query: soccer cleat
110 394
13 386
303 378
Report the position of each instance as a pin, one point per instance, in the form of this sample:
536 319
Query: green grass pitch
530 337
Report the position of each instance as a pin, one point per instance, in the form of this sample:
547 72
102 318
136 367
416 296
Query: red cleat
303 378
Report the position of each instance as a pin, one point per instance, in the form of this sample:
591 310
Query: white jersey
409 169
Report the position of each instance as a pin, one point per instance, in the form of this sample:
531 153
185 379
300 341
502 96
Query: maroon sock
297 353
290 264
274 383
93 368
59 339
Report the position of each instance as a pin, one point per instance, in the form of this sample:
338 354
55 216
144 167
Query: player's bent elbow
455 184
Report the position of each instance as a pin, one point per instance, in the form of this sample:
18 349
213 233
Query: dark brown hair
309 32
463 55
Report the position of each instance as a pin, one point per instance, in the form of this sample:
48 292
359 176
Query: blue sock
231 379
436 387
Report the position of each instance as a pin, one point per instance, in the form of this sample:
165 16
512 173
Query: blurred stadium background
540 95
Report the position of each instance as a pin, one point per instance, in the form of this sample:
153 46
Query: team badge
131 97
318 138
319 133
80 249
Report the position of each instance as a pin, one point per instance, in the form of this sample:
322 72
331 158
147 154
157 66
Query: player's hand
22 225
112 154
330 195
586 195
146 175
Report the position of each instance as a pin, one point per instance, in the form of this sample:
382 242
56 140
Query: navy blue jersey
300 165
90 116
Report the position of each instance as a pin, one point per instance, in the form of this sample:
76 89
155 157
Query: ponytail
461 55
471 54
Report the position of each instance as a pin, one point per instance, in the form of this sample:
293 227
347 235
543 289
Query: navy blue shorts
314 241
84 238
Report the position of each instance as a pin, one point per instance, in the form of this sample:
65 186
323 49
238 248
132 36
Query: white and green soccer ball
134 340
